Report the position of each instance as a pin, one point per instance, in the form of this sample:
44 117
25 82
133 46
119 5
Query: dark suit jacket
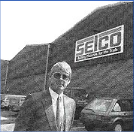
37 114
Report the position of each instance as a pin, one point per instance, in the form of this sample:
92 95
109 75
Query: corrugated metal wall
111 75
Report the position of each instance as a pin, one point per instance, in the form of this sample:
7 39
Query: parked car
108 114
13 102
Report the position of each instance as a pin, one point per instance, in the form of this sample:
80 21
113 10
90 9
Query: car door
127 113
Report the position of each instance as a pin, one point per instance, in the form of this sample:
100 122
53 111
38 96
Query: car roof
8 95
114 98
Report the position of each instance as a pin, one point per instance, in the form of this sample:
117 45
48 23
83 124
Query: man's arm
25 117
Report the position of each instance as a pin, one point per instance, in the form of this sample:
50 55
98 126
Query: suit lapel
68 114
48 108
51 118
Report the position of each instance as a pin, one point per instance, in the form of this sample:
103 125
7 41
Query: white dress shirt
54 96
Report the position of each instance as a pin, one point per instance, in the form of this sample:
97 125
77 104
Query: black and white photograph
66 66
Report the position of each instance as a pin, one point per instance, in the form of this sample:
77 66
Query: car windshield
101 105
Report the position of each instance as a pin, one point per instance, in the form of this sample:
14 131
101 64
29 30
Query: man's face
59 81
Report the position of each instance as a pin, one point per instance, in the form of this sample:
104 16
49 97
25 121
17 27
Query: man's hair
62 66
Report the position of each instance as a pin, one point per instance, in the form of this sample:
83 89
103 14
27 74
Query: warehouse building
99 49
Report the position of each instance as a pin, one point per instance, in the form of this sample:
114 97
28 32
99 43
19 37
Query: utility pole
46 70
6 77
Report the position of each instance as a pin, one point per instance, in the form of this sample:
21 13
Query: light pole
45 80
6 89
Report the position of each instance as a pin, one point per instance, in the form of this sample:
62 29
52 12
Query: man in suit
49 110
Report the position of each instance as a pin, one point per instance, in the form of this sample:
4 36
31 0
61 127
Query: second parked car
108 114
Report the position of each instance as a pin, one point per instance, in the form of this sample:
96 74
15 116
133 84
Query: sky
39 22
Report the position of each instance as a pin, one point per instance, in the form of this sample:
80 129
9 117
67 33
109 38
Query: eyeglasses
59 75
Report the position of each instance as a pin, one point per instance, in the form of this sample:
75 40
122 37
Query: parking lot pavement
10 127
8 122
7 127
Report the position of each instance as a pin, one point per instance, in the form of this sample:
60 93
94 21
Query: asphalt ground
8 122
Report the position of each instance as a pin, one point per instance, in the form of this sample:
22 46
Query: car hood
92 112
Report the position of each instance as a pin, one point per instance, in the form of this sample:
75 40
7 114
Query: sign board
106 43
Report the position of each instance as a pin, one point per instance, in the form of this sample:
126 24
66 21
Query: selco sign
106 43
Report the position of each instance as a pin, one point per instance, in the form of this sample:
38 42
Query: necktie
59 114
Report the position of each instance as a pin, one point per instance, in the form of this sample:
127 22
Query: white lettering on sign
106 43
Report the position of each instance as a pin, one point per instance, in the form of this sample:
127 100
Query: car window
131 104
125 105
117 107
101 105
